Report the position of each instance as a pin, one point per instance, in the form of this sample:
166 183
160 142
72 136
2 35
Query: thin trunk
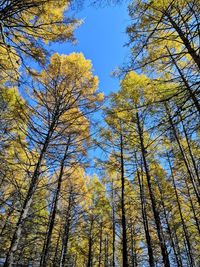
144 217
182 153
66 232
190 91
133 248
190 150
152 197
124 234
182 219
106 251
89 261
192 206
27 203
179 263
44 259
184 39
177 245
100 243
6 221
113 225
55 260
196 171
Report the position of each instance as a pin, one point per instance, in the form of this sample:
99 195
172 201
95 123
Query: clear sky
101 38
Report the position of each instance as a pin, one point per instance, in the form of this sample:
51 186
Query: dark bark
44 258
133 248
106 251
113 225
186 84
184 39
178 261
176 241
100 243
66 232
28 200
182 153
10 211
124 234
189 149
90 243
145 219
55 260
185 230
152 197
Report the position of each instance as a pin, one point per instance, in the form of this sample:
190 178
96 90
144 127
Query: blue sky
101 38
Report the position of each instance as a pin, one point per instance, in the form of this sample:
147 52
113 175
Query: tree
66 90
26 26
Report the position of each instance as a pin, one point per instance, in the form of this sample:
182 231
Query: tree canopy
94 181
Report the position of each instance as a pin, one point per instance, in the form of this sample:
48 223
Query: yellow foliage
26 27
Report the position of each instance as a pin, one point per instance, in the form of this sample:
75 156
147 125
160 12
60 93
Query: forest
90 178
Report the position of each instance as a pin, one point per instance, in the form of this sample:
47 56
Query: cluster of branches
152 135
45 136
144 210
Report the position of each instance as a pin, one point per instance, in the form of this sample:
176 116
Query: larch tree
65 94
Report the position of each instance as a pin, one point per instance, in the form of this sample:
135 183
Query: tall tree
68 87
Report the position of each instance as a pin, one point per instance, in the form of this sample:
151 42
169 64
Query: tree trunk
89 262
184 39
100 243
27 203
182 152
190 150
187 86
66 232
152 197
179 263
55 260
113 225
176 241
124 234
133 248
144 217
44 258
182 219
106 252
